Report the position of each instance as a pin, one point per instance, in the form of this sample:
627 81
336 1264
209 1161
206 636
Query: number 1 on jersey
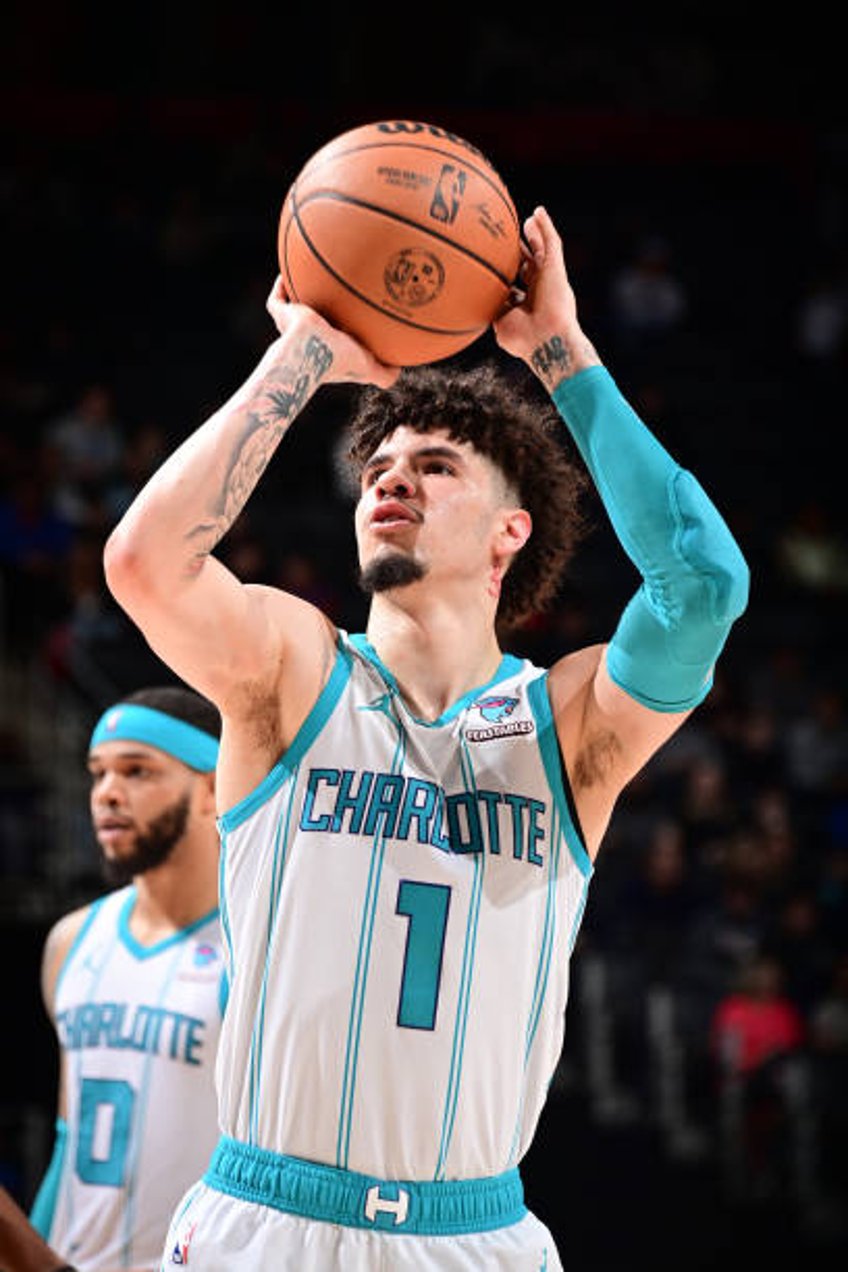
426 906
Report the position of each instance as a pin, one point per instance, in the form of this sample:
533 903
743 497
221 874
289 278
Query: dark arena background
696 165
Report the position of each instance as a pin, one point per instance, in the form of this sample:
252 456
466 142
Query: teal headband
130 722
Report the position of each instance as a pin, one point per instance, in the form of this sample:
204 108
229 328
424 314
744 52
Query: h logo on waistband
374 1203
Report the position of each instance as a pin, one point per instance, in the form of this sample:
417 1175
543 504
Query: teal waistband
314 1191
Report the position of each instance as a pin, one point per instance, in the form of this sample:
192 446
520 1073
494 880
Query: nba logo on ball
448 194
404 235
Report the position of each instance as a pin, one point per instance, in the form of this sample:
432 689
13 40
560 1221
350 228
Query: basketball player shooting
410 816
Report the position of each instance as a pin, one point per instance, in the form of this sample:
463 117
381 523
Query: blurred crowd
725 873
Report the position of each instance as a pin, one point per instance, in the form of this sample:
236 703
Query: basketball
403 235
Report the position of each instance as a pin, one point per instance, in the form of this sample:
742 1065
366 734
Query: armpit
258 713
596 759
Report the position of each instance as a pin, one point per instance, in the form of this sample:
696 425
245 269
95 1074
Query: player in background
135 986
410 816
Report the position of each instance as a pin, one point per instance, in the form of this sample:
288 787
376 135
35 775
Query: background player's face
428 505
140 805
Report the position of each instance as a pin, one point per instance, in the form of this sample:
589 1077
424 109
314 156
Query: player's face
427 505
140 806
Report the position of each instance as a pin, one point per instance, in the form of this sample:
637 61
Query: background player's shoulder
65 930
58 945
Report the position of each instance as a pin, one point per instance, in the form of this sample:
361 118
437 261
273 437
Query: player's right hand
352 362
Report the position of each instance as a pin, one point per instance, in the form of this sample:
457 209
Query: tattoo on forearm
286 402
551 360
266 421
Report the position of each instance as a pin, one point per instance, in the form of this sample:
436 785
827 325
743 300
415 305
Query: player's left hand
540 325
543 303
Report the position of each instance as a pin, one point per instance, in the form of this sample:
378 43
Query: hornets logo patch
496 710
204 954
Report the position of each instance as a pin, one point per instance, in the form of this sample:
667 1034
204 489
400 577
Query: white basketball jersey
138 1027
400 900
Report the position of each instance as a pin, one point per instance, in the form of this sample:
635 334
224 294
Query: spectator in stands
89 621
146 447
817 746
829 1016
648 299
706 808
832 893
797 942
784 864
754 1029
88 444
812 551
821 317
757 759
35 540
724 937
829 1042
757 1020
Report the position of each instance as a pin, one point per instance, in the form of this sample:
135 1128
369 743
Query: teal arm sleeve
695 579
44 1206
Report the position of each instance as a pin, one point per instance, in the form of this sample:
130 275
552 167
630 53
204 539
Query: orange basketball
403 235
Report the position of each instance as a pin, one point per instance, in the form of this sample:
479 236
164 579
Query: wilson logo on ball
411 128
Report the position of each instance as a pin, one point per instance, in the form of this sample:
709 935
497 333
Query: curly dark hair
520 432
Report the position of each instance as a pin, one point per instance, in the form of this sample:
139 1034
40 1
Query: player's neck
435 654
176 894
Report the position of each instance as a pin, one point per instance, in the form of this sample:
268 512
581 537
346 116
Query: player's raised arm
617 704
210 629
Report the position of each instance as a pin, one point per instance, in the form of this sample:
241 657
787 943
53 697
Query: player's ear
207 783
513 531
517 528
